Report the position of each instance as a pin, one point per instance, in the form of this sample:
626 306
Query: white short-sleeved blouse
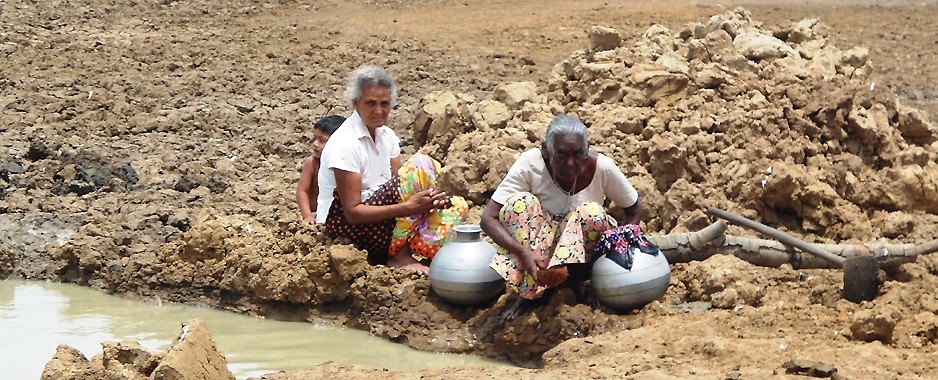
352 149
529 174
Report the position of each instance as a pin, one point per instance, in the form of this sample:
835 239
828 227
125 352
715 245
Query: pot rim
468 228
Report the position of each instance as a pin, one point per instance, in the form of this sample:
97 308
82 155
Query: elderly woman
547 214
391 210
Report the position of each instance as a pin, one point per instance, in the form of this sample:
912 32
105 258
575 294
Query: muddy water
35 317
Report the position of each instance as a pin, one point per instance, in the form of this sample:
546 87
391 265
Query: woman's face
319 141
374 106
569 157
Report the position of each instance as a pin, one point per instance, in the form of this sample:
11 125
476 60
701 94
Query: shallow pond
35 317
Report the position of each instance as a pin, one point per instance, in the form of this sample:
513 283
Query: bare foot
403 259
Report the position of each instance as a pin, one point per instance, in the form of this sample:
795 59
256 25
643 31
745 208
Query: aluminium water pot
460 272
623 289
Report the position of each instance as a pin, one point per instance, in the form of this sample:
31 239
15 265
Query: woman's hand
426 201
531 264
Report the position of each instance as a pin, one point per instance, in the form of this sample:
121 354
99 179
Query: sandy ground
151 150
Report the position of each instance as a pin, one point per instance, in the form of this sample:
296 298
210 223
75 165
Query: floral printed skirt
425 233
560 238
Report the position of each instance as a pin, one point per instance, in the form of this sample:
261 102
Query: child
308 188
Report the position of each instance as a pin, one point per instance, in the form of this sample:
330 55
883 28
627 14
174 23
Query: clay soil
151 149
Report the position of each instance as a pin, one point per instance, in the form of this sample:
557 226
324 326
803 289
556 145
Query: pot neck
468 232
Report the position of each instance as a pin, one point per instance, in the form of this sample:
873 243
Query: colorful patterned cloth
620 245
425 233
527 221
617 247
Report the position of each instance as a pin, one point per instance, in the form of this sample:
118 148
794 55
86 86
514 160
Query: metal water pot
623 289
460 272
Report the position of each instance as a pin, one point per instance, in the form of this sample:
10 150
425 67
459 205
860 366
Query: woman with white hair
546 216
390 209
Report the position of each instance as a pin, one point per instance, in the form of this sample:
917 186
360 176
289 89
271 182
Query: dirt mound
776 123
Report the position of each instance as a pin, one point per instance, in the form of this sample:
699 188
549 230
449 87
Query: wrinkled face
569 157
374 106
319 142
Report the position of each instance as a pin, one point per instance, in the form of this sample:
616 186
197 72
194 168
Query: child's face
319 142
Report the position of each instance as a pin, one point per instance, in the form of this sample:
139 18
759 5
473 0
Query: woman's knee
420 161
519 203
523 196
590 209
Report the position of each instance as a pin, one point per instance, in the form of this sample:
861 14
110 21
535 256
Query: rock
875 324
758 46
491 114
628 120
206 241
193 355
729 22
805 30
673 62
914 125
514 95
824 63
911 187
129 359
349 262
440 118
11 168
69 364
604 38
659 84
856 57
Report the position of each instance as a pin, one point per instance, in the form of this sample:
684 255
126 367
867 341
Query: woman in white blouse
390 209
547 213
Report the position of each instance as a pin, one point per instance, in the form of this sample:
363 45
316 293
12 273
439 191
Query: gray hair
367 76
563 125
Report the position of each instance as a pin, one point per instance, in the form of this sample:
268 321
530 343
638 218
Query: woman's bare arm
349 187
304 196
633 213
497 232
395 165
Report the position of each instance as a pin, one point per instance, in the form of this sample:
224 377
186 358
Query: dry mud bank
150 150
